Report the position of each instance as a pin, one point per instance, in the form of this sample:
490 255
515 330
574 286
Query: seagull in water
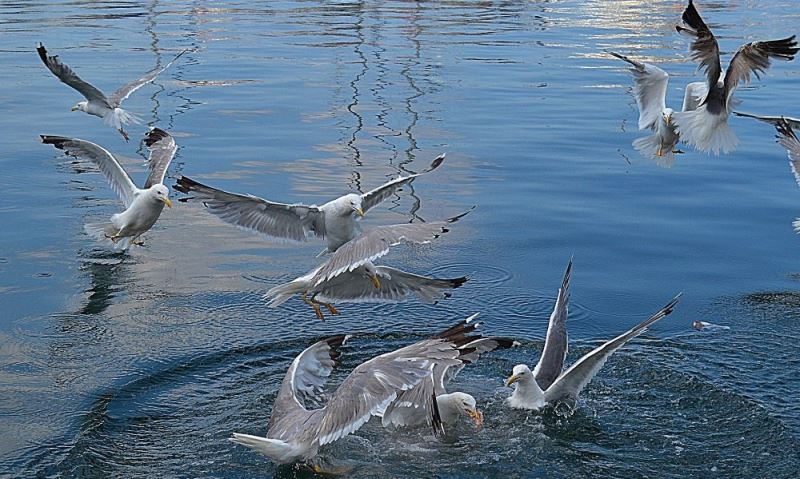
706 127
350 275
335 221
97 103
408 411
143 206
650 90
546 384
295 433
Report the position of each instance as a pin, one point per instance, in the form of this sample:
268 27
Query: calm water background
142 364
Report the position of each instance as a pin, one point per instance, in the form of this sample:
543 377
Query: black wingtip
185 184
42 52
437 161
458 282
457 333
335 342
154 136
505 343
436 418
458 217
784 129
57 141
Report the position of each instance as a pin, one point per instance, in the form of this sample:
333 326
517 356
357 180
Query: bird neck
528 394
448 409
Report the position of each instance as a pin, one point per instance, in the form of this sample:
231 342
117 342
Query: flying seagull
350 275
788 139
97 103
650 90
142 206
546 384
706 127
410 409
794 123
335 221
295 433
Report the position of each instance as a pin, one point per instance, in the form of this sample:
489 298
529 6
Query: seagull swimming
706 127
350 275
650 90
335 221
546 384
295 433
408 411
97 103
142 206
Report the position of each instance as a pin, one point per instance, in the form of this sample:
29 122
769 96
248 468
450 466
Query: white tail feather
275 449
281 293
648 146
103 231
118 117
705 131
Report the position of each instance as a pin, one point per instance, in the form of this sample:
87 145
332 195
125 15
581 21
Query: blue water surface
142 364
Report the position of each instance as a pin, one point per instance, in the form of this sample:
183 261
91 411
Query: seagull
295 433
335 221
350 275
546 384
793 123
142 206
406 410
788 139
706 127
97 103
650 91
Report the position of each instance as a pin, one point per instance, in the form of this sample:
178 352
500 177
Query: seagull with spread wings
107 107
650 90
296 432
411 406
706 128
335 221
350 275
547 384
142 206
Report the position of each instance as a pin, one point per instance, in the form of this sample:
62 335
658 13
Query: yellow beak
514 378
74 108
375 281
476 416
167 202
359 212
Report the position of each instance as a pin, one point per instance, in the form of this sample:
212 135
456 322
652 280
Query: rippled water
142 364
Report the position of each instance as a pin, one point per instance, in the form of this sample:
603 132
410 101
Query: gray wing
123 92
649 89
788 139
120 182
754 58
373 385
569 385
556 343
379 194
162 149
376 243
66 75
409 409
395 285
794 123
305 378
705 49
278 220
693 95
